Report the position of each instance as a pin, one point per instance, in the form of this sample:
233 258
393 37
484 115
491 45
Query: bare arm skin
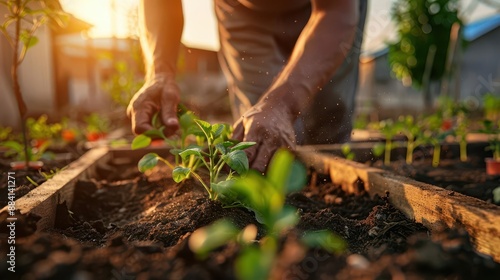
161 23
317 55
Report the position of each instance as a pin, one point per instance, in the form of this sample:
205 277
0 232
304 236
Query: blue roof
476 29
471 32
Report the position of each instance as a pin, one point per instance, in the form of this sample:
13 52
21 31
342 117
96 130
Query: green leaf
287 218
147 162
297 177
254 263
217 130
175 152
242 146
186 120
191 151
180 173
280 168
28 39
13 145
206 239
223 147
324 239
225 191
204 126
140 141
378 149
154 133
237 160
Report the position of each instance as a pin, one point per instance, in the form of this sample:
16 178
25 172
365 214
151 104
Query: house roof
476 29
471 32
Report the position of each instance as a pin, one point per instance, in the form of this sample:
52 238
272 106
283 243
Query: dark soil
137 227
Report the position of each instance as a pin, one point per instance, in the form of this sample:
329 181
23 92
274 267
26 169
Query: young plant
46 175
414 136
347 151
17 150
22 20
389 129
218 153
435 132
97 126
491 103
41 132
461 130
265 196
493 131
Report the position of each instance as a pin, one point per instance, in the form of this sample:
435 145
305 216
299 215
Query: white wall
36 77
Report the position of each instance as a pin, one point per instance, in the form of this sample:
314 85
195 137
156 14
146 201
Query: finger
168 113
262 157
141 121
238 131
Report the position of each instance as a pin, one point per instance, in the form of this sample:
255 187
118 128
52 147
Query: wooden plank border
432 206
43 200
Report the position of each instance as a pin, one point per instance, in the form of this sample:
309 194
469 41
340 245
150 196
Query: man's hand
158 94
271 128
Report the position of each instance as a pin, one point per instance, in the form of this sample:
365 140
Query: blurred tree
424 28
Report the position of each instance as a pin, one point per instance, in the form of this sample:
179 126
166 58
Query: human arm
318 53
161 23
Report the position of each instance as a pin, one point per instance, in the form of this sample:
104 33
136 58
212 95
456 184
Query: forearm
161 23
318 53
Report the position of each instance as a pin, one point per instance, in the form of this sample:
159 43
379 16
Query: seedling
414 137
219 152
45 175
435 133
16 150
347 151
41 132
389 129
97 126
493 131
491 106
265 196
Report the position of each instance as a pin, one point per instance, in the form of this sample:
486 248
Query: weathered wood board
432 206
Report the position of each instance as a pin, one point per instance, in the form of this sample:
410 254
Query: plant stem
21 105
436 155
463 150
210 195
388 148
410 147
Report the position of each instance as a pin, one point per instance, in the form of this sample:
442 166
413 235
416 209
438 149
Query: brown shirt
274 5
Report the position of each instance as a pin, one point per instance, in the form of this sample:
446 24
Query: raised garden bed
125 224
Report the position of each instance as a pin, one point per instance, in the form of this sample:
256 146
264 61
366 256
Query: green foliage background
421 24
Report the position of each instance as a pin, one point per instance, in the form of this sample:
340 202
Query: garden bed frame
432 206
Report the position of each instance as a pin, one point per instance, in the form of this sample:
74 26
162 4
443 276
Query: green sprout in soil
413 132
435 132
217 153
347 151
265 196
493 130
45 175
389 129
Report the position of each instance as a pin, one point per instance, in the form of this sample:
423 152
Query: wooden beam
43 200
